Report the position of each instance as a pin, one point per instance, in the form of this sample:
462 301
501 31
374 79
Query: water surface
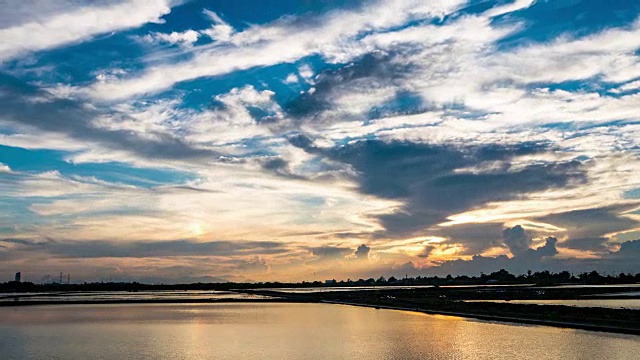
284 331
184 295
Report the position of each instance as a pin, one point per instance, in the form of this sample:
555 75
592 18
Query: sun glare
197 229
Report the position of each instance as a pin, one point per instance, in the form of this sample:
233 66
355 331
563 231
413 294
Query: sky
260 140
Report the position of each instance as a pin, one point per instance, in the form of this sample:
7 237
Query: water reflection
284 331
182 295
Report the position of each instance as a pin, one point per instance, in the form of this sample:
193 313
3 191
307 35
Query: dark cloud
26 104
548 249
362 252
474 237
424 177
330 251
516 240
278 166
539 258
543 258
142 249
592 223
595 243
369 71
628 250
428 249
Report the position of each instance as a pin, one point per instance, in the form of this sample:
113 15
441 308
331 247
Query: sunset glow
186 141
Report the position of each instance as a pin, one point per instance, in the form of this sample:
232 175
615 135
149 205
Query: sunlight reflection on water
284 331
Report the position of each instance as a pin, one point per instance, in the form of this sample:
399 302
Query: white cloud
306 72
281 42
4 168
631 86
291 79
516 5
181 38
220 31
477 93
76 24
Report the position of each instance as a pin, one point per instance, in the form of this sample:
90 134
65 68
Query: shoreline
499 318
22 303
301 300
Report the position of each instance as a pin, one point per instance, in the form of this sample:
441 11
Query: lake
182 295
284 331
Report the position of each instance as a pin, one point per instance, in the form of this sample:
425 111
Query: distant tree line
501 277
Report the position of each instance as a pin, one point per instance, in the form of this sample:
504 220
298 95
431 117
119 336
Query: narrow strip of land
432 301
509 319
448 302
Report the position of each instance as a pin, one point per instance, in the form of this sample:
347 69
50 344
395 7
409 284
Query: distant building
330 282
18 275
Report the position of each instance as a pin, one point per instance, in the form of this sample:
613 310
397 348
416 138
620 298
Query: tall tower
18 276
60 277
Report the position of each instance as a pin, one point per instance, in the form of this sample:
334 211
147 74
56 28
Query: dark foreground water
284 331
632 304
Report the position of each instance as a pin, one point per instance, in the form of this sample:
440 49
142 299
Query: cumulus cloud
362 252
181 38
516 239
542 258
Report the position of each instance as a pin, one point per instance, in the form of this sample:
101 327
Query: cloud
288 40
443 120
180 38
70 23
145 249
516 240
291 79
595 222
349 92
516 5
597 244
31 107
474 238
256 263
542 258
220 31
431 182
628 250
427 251
548 249
4 168
330 251
362 252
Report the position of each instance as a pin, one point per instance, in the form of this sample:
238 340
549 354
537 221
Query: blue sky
268 140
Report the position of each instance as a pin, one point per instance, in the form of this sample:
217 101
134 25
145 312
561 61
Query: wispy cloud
36 31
